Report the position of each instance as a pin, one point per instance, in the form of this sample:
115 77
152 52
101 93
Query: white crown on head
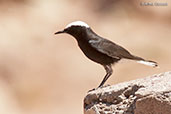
77 23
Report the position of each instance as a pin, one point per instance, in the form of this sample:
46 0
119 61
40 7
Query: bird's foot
104 86
92 90
98 88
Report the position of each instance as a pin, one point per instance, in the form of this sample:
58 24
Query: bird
99 49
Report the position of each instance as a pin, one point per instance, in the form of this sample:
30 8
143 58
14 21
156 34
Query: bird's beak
59 32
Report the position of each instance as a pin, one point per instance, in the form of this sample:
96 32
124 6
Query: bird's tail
149 63
146 62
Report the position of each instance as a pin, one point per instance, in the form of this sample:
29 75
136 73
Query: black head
76 29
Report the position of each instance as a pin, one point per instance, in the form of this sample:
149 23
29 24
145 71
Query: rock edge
150 95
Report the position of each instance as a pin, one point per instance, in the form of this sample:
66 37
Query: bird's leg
109 72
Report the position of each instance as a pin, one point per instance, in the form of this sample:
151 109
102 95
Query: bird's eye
65 30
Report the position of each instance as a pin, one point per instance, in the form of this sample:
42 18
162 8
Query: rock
150 95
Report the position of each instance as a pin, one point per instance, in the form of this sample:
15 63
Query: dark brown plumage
100 50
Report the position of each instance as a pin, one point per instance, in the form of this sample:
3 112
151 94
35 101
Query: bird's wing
109 48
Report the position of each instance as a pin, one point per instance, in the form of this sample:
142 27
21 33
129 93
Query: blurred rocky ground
36 67
149 95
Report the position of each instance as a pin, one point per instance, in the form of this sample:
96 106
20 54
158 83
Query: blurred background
45 74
